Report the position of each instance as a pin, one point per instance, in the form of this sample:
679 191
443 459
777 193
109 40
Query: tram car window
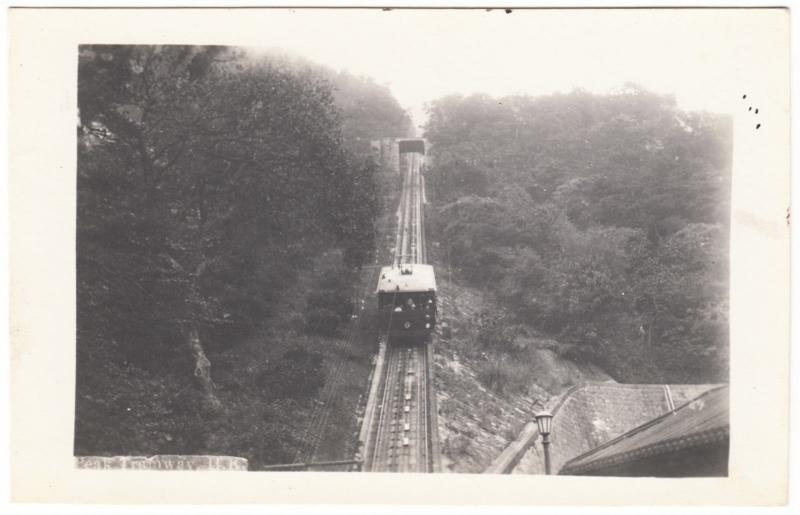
407 302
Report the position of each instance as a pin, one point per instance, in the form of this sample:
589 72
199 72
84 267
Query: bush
299 373
326 309
504 375
334 300
457 445
499 334
322 321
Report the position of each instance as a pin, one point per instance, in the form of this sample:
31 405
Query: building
690 441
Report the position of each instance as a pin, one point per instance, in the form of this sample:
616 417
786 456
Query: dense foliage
600 220
208 181
368 110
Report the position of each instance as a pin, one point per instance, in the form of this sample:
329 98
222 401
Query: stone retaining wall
162 462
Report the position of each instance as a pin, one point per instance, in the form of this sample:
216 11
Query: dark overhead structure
690 441
412 145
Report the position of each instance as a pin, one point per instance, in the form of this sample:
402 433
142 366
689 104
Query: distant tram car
407 302
411 146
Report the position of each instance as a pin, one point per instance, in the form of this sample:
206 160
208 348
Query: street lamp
544 419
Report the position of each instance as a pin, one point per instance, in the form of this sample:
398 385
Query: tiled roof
699 422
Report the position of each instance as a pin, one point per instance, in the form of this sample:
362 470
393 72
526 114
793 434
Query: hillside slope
477 421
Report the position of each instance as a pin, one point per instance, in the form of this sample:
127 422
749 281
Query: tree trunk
202 367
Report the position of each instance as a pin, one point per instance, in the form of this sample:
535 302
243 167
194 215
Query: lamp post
544 419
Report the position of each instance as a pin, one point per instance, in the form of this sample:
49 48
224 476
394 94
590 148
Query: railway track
315 431
401 431
402 442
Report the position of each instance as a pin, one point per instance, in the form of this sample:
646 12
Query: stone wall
162 462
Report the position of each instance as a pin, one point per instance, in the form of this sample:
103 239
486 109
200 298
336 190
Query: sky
704 57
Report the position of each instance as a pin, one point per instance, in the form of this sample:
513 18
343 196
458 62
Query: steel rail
402 429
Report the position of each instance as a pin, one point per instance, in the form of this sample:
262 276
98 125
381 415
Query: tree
205 180
598 219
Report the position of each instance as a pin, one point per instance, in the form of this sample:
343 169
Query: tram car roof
409 278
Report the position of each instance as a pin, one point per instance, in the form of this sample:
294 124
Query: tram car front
407 302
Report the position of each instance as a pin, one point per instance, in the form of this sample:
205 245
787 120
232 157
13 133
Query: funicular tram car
407 302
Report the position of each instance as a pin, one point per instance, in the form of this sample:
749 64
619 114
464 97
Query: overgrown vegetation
598 220
210 182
